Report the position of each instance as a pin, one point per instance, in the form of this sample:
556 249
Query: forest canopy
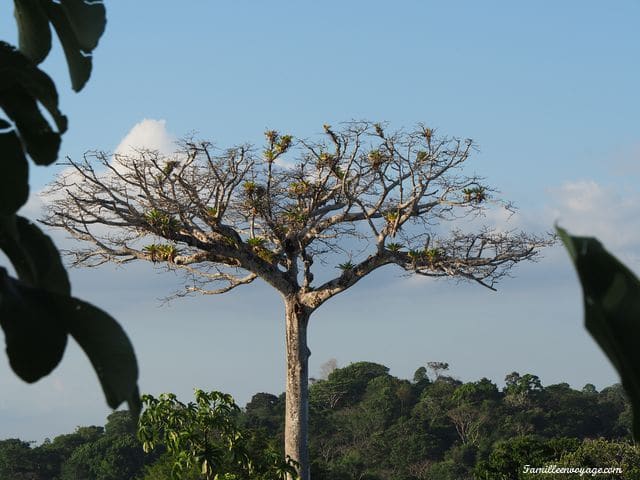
366 423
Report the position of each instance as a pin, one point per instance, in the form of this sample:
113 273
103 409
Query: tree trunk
297 392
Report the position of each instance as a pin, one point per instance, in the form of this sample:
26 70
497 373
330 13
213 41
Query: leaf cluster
161 252
37 310
206 436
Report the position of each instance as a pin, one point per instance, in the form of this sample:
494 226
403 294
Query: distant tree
571 413
420 375
120 423
457 465
615 408
383 399
114 455
362 199
345 386
20 461
521 390
420 381
90 452
599 453
484 390
406 448
405 394
266 411
68 442
61 448
471 408
17 460
468 421
508 457
438 368
431 414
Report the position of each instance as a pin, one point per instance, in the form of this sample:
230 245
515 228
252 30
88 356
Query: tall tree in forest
361 198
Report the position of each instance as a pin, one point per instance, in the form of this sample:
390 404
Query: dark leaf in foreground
35 335
14 190
79 26
22 87
34 256
36 323
34 34
612 310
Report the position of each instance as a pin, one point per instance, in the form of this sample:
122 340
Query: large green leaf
88 21
79 63
14 189
76 35
22 86
33 29
18 70
35 336
41 141
78 23
612 310
36 323
34 256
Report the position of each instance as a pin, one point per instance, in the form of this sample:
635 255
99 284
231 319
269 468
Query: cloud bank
585 207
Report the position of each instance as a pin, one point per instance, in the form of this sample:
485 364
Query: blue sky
547 89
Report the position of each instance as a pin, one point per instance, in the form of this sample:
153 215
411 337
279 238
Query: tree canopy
360 198
391 429
239 209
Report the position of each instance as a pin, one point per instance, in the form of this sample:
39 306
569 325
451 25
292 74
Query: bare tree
361 196
437 368
468 421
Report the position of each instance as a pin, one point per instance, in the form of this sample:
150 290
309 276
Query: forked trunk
297 392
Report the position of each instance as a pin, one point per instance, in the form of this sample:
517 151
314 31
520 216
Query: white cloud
585 207
149 134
